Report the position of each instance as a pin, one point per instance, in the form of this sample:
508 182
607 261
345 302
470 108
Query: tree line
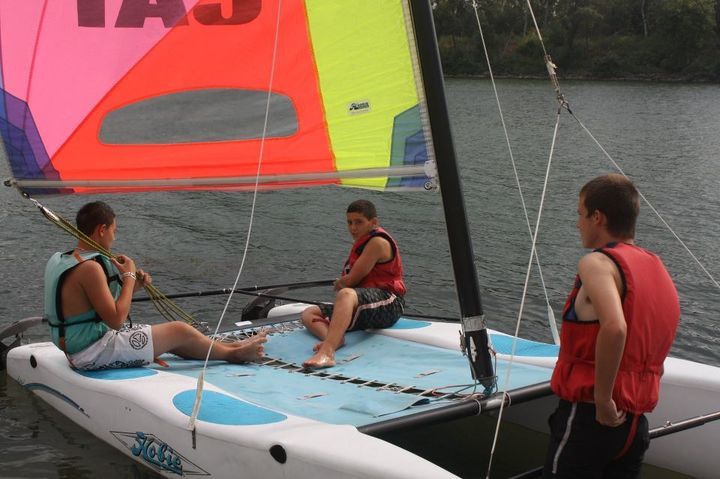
636 39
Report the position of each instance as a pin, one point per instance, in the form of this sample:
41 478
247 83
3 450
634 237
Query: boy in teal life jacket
87 302
370 289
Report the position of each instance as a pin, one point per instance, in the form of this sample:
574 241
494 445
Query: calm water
664 136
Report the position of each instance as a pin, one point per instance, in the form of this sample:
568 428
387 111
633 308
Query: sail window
209 115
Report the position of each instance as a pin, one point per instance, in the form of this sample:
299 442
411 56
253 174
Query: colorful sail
130 95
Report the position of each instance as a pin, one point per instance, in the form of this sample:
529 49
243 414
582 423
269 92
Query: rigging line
551 315
259 294
533 233
537 28
549 64
525 287
169 310
268 288
647 202
201 376
565 104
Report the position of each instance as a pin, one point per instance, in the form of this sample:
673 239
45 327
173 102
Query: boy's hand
124 264
606 413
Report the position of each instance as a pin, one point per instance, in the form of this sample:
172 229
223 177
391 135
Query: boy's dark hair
364 207
616 197
93 214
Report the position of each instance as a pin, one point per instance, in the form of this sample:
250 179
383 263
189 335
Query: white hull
688 389
116 411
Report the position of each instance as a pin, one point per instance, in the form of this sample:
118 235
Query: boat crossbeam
469 407
15 331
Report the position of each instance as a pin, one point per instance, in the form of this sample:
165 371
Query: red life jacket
387 276
652 313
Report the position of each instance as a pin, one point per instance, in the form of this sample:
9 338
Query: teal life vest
77 332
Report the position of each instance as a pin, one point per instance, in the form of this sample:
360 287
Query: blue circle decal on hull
218 408
120 373
523 347
404 323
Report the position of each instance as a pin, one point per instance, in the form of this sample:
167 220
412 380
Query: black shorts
581 447
377 309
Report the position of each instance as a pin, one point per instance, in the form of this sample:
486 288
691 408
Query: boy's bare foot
316 348
320 360
324 357
250 349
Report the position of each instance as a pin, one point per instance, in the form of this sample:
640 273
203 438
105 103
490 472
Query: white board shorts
129 347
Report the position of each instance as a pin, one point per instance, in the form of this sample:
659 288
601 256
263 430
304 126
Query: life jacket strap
94 319
58 299
630 437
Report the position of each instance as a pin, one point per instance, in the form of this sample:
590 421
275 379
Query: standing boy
370 289
618 325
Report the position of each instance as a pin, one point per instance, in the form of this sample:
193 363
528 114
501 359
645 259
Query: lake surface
666 137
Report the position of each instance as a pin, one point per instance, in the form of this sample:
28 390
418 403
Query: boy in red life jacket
619 322
370 289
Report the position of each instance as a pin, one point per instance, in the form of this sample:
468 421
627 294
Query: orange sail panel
225 56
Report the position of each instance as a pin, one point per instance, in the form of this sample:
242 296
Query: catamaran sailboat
300 98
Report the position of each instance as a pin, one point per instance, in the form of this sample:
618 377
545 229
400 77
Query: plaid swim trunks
377 309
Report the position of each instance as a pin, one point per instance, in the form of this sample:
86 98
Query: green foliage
686 26
460 57
653 39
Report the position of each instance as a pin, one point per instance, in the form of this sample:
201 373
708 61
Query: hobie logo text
157 453
132 13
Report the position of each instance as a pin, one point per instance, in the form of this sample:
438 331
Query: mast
475 335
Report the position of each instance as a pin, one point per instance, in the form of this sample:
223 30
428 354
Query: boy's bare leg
315 322
346 302
187 342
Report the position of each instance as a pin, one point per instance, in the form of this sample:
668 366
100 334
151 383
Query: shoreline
580 77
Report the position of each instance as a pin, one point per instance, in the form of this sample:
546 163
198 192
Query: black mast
461 250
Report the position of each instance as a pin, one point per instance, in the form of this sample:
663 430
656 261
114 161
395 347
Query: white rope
533 235
525 288
551 315
537 28
549 63
201 376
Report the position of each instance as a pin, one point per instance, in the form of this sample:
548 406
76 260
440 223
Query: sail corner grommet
278 453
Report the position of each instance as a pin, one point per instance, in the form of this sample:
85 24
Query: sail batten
134 97
229 182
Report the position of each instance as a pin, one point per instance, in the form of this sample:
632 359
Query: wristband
129 274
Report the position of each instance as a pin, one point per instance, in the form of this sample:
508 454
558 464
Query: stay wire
551 315
565 104
551 67
647 202
533 233
201 376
